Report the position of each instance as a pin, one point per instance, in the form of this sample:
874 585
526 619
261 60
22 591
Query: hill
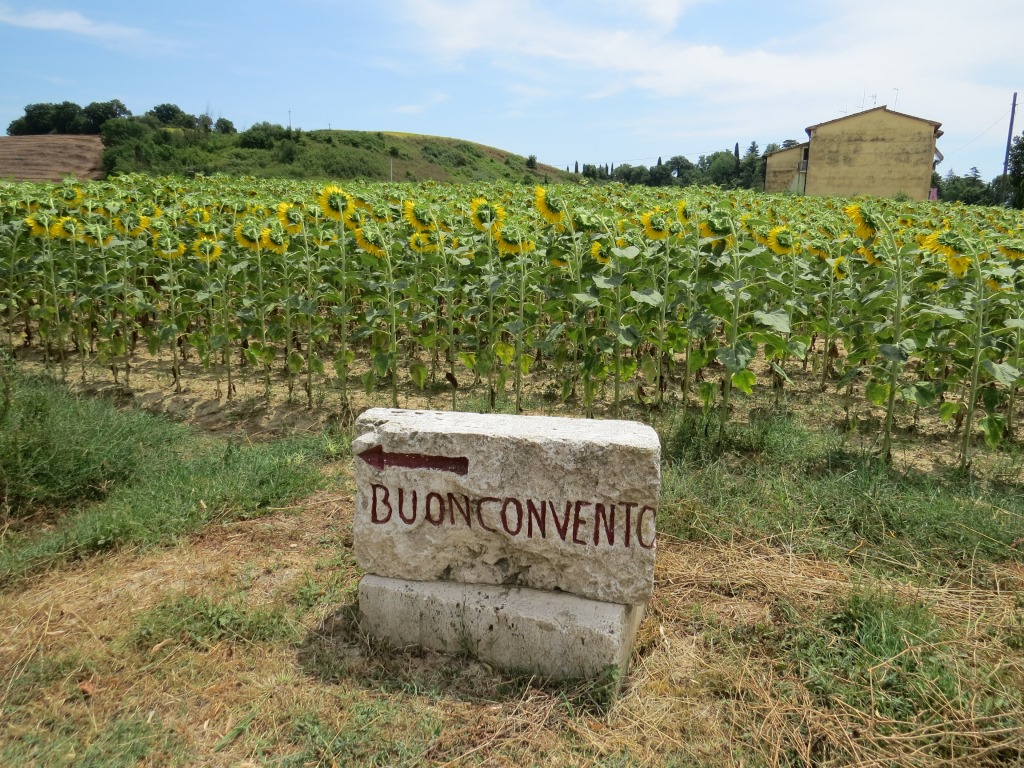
269 152
51 157
272 151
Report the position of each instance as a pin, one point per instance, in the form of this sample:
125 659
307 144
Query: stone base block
552 634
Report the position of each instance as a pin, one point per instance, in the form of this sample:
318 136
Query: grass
812 607
108 479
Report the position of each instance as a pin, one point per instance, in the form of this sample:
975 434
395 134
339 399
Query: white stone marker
548 515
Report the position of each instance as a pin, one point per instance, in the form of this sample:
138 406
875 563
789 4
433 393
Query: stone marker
526 540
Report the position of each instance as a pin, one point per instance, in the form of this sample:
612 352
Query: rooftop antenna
874 99
896 99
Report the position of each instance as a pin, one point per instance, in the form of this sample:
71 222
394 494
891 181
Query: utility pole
289 121
1009 140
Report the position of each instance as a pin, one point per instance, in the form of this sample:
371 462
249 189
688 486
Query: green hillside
266 150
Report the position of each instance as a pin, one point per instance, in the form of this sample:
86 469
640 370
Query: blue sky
601 81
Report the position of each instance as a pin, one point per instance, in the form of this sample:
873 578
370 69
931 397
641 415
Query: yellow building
874 152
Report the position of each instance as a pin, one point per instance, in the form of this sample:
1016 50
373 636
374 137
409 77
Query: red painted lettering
479 513
640 527
561 526
384 501
401 507
627 529
440 508
608 518
466 511
577 521
510 501
534 514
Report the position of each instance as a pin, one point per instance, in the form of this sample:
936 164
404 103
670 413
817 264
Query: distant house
874 152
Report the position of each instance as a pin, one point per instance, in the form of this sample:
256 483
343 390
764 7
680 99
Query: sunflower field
600 294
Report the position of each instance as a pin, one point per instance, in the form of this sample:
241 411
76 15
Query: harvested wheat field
50 158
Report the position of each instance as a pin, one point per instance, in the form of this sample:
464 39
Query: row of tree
68 117
730 170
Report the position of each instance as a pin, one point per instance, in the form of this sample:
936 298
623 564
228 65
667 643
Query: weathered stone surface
530 501
553 634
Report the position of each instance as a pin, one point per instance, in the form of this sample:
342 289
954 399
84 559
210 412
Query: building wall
873 153
782 170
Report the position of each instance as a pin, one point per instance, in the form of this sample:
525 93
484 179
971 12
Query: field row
599 293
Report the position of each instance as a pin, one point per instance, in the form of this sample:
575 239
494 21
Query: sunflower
868 255
71 196
274 239
37 227
249 234
682 215
1014 250
862 219
96 235
549 207
371 242
958 264
132 224
995 285
482 213
323 237
197 217
716 229
839 270
597 252
656 226
510 246
335 202
940 242
353 219
424 242
168 246
65 228
419 218
781 241
292 217
206 250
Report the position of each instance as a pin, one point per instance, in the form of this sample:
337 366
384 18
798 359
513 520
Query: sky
593 81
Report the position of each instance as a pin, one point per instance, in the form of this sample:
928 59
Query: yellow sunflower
168 246
549 207
862 220
419 218
292 217
335 202
65 228
597 252
132 224
781 241
206 250
371 242
249 234
424 242
482 213
274 239
656 226
36 227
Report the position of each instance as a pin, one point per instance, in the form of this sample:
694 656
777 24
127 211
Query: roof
875 109
786 149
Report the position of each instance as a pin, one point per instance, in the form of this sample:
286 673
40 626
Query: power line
998 120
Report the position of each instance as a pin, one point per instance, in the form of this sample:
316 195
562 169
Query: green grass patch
200 622
176 482
773 478
57 449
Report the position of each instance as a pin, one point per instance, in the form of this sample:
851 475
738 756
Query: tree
97 113
531 162
223 125
1015 173
577 167
751 174
790 143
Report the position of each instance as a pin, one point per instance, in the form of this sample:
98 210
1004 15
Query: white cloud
69 21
